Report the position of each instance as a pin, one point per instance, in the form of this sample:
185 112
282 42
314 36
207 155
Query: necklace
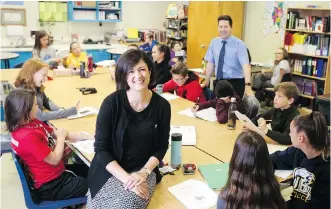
136 107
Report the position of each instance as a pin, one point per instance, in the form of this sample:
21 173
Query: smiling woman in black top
132 133
161 58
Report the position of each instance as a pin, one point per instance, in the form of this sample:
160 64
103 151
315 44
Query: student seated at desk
281 115
131 139
161 58
224 91
251 181
43 51
185 84
76 56
149 43
42 149
272 77
32 76
310 159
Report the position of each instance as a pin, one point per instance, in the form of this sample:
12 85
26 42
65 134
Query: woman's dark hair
225 17
18 105
315 128
224 89
126 62
285 55
251 182
39 35
165 50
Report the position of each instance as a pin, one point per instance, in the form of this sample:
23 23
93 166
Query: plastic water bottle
176 150
231 114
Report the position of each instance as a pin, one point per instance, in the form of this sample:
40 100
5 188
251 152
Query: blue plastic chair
45 204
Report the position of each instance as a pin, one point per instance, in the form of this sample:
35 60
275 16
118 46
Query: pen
78 103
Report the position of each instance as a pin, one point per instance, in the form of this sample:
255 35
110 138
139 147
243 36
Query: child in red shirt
34 142
185 84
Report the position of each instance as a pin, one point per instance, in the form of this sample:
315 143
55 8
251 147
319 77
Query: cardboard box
90 4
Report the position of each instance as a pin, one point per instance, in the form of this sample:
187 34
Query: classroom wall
142 15
263 48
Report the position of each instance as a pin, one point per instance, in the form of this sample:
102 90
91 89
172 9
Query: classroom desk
11 74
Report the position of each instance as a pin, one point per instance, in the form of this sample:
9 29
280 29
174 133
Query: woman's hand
141 190
135 179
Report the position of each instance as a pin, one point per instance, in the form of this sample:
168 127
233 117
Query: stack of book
159 36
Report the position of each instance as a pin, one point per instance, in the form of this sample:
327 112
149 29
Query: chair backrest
286 77
208 93
62 53
26 190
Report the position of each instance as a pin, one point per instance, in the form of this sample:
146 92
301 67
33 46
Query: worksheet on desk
194 194
208 114
189 136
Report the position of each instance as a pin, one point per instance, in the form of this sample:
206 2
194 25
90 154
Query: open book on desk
208 114
244 119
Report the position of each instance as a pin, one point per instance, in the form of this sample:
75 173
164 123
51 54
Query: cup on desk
176 150
159 89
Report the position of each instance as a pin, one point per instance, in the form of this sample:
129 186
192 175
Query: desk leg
111 56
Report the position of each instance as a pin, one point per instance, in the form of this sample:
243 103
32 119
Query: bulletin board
11 16
53 11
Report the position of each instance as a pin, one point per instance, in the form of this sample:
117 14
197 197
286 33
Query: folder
216 175
132 33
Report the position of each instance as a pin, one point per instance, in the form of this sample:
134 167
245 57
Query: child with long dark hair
42 150
42 49
310 159
251 183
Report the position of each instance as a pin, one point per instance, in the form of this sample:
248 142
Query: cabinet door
202 26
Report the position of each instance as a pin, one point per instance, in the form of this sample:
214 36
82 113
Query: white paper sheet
85 111
187 112
168 96
270 6
189 136
208 114
106 63
274 148
283 173
194 194
197 70
86 146
244 119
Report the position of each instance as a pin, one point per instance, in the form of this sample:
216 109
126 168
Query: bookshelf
176 30
307 40
94 11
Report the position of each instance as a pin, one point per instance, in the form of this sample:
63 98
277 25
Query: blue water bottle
176 150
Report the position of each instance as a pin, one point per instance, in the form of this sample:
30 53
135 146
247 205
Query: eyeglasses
278 53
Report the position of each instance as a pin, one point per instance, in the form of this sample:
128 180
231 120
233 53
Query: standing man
227 56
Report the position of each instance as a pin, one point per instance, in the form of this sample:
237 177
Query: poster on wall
274 18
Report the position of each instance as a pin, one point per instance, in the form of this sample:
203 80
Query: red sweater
191 90
222 108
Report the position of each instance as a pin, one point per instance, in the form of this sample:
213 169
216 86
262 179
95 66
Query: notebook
208 114
215 175
85 111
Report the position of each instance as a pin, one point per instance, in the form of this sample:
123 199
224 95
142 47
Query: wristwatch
147 171
247 84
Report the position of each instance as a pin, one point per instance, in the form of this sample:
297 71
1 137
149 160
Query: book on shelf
311 44
309 23
310 67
